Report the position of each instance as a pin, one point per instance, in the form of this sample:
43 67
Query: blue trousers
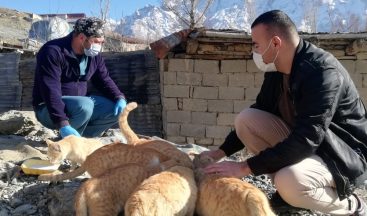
89 115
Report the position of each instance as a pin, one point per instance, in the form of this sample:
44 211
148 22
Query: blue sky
89 7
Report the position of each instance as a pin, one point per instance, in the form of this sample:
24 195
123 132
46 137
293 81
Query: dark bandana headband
91 27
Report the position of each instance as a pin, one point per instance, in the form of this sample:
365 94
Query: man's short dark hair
277 22
91 27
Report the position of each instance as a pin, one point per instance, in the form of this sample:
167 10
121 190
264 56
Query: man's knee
80 106
243 118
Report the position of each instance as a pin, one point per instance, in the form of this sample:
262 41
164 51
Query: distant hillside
14 26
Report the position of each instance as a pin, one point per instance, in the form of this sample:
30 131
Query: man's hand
68 130
119 106
229 168
215 154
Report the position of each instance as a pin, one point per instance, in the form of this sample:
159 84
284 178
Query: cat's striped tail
129 134
62 176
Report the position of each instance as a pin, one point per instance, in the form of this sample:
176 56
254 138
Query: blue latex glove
119 106
68 130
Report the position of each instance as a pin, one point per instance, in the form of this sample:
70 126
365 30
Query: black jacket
330 120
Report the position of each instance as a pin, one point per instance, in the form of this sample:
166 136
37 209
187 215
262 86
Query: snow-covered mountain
153 22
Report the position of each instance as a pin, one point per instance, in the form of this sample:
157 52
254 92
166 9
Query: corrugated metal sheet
10 93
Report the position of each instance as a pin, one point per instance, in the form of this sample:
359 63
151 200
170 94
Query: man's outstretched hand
119 106
68 130
229 168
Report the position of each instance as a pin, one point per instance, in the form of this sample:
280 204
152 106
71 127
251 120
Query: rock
25 209
62 199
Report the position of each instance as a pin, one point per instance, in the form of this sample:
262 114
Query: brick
173 129
241 105
169 78
215 80
213 147
241 80
363 94
251 93
190 140
361 56
176 139
218 142
176 91
195 104
181 65
220 106
337 53
178 116
233 66
357 79
259 79
231 93
364 83
361 66
206 66
217 131
170 103
205 92
226 119
349 65
163 65
189 78
204 118
204 141
251 67
193 130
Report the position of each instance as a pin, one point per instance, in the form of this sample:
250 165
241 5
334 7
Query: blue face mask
94 50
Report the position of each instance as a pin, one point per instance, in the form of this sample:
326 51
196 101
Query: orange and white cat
73 148
171 192
112 156
218 195
106 195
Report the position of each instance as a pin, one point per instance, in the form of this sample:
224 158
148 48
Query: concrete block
204 118
361 66
173 129
177 139
181 65
192 130
176 91
195 105
169 78
364 83
215 79
217 131
259 79
189 78
350 65
241 105
357 79
204 141
218 142
241 80
234 93
169 104
233 66
251 93
205 92
206 66
226 119
251 67
179 116
220 106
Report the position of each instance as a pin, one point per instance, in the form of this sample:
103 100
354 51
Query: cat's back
216 196
116 154
168 149
171 192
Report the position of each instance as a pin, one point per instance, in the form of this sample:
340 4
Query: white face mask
259 61
93 50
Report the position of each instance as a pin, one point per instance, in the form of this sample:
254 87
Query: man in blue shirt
64 67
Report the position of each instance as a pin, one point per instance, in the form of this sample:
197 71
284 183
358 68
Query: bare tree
104 7
190 12
311 9
250 9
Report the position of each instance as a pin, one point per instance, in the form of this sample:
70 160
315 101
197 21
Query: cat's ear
55 146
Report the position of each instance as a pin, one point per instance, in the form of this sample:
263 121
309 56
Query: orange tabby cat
73 148
106 195
162 146
111 156
218 195
172 192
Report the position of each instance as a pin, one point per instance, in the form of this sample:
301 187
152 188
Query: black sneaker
362 207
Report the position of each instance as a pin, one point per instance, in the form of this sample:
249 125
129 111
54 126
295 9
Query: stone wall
201 97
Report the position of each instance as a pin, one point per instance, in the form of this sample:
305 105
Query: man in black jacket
308 127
